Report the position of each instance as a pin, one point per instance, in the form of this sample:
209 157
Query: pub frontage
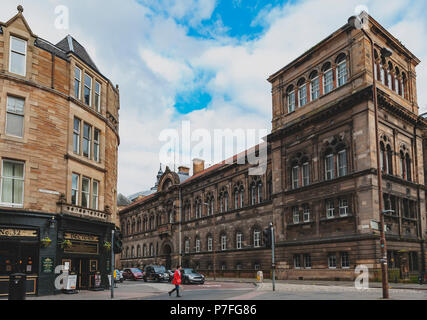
35 244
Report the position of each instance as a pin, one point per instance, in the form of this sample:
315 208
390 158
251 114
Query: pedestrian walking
176 281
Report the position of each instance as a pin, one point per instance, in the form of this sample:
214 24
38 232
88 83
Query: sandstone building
58 159
320 189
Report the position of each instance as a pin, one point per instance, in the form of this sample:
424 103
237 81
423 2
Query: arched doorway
167 250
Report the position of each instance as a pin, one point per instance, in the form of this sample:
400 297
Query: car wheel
202 282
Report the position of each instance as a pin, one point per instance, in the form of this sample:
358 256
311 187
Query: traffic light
267 237
117 242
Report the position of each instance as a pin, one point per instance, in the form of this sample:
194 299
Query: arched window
256 238
376 68
226 201
253 194
242 196
408 167
133 252
389 159
138 251
197 244
128 229
383 162
127 252
209 243
239 240
151 250
341 69
382 71
397 87
403 93
290 96
302 92
390 76
336 162
328 78
170 216
314 86
259 192
144 250
236 198
295 175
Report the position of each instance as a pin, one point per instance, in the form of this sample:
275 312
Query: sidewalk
408 286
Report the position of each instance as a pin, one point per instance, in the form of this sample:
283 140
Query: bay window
87 139
75 189
97 96
77 82
328 81
85 192
88 90
95 191
342 73
76 136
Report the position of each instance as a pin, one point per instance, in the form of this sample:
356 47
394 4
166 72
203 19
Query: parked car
132 274
156 273
190 276
171 273
119 276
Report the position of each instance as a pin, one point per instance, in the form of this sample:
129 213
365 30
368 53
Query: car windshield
135 270
189 271
159 269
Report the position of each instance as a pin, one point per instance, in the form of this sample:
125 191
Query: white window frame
295 177
98 94
95 196
302 95
223 242
253 194
305 174
14 205
79 80
343 207
326 82
210 244
330 266
239 237
257 238
187 246
77 134
90 90
15 113
342 166
306 213
295 215
315 91
291 101
305 261
197 245
297 258
347 265
329 159
330 209
89 140
76 190
341 75
96 145
20 53
86 192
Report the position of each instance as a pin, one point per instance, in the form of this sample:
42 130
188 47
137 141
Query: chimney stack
184 170
198 166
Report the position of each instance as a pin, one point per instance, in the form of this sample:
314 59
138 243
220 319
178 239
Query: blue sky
204 61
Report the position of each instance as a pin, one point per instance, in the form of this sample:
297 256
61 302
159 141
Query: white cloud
147 51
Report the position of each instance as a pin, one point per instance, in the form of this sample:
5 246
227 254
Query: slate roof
69 44
46 45
122 200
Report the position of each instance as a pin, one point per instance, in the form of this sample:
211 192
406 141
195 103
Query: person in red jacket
176 281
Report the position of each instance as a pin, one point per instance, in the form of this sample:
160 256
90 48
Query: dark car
171 273
132 274
156 273
190 276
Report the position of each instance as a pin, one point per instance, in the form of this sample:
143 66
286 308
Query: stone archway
167 255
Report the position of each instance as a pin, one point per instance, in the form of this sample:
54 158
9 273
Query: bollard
259 277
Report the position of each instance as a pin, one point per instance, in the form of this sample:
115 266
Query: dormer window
88 90
18 53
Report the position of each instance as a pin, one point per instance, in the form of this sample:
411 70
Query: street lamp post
384 267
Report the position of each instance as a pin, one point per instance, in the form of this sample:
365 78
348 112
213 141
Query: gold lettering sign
81 237
17 233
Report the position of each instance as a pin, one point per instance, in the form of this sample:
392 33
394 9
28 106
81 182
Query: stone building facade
58 158
320 189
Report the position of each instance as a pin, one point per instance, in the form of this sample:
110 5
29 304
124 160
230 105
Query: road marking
247 296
